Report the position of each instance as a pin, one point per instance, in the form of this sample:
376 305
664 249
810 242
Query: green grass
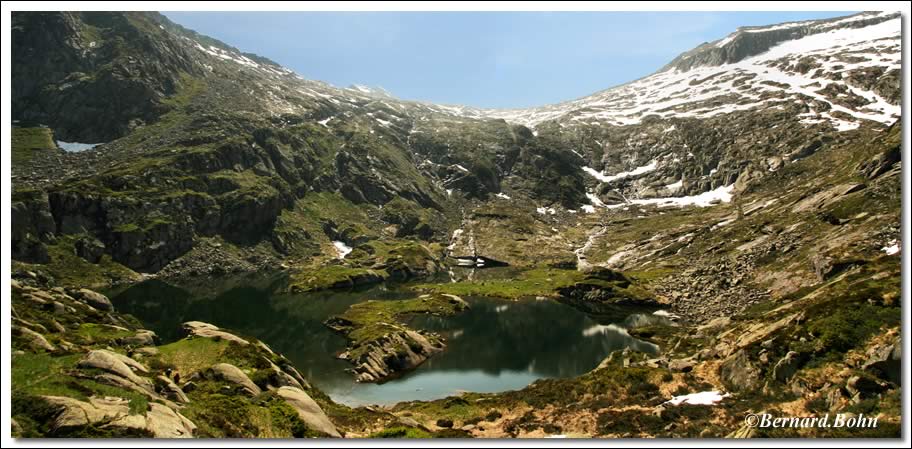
193 354
218 415
100 333
401 432
368 321
331 276
27 141
45 375
534 282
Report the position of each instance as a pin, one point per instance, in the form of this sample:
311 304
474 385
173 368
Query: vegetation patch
28 141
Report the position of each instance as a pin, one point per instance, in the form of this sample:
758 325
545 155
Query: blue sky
483 59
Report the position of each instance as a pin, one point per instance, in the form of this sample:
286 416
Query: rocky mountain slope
749 186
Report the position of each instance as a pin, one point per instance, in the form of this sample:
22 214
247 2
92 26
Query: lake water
496 345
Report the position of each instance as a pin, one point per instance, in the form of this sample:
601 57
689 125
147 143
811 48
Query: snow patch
701 398
342 248
502 195
721 194
601 176
891 248
75 147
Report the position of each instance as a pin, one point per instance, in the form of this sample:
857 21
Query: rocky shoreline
380 346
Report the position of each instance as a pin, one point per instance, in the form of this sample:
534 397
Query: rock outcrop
113 414
308 410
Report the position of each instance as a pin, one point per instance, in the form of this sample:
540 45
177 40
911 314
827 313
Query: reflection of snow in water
642 319
501 308
607 329
701 398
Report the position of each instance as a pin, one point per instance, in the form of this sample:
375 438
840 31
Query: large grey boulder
885 361
170 390
201 329
159 421
233 375
142 337
739 373
95 299
35 340
308 410
787 366
118 365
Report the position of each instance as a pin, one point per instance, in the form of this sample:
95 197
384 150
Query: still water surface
496 345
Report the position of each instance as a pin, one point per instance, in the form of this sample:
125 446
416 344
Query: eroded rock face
885 361
308 410
85 73
90 249
392 354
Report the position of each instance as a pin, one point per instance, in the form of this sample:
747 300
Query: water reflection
494 346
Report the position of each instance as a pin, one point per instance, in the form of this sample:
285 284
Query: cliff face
94 76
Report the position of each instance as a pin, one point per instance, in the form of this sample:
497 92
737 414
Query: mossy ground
27 141
369 321
48 375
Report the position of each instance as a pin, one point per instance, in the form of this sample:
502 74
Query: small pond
496 345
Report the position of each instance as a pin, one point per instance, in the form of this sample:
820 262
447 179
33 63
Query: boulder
281 378
460 303
35 340
739 373
163 422
885 361
881 163
201 329
116 364
233 375
147 351
682 365
865 387
90 249
787 366
113 413
95 299
170 390
308 410
141 338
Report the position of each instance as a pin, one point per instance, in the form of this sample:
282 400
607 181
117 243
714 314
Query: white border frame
5 179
